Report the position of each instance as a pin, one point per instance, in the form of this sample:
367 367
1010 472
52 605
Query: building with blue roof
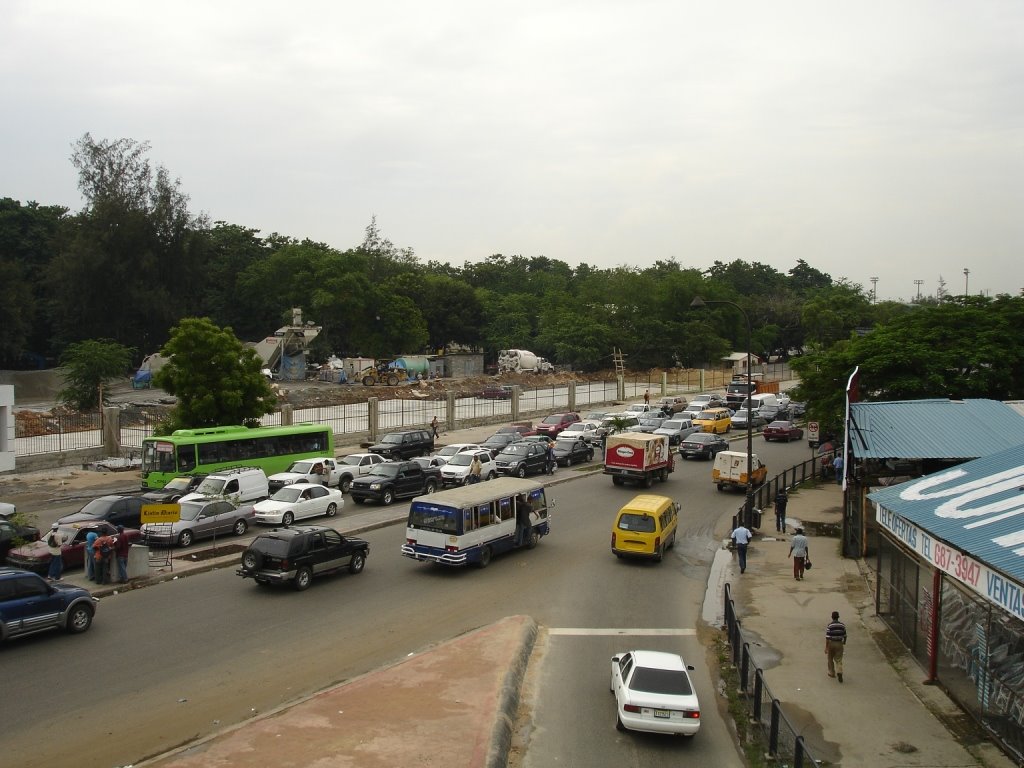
951 575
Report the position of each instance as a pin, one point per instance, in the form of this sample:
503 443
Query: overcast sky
871 139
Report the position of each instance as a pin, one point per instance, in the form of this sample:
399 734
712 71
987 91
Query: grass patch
748 733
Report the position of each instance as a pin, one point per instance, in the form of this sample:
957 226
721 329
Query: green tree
88 367
216 379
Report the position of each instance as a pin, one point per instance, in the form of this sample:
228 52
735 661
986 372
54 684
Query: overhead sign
161 513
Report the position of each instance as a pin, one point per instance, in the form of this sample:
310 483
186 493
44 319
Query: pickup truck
395 479
322 470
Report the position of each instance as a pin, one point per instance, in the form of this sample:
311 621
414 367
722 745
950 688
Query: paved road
183 659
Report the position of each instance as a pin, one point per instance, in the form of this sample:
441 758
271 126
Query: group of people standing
101 556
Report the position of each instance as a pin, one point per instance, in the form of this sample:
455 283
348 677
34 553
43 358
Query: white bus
472 523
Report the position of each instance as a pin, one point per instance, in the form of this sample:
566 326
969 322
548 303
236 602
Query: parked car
639 409
782 431
739 419
521 428
496 392
649 423
456 471
702 445
115 509
677 429
297 502
430 462
496 442
654 693
396 479
174 490
587 430
29 604
449 451
522 459
556 422
709 400
594 416
7 510
572 450
12 534
356 465
36 557
616 422
672 404
796 409
298 554
405 444
200 518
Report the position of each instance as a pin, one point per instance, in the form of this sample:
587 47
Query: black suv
115 509
300 553
29 604
405 445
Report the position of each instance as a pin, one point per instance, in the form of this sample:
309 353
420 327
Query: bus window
468 521
186 458
483 514
505 509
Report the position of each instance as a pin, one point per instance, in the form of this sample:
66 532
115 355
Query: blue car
30 604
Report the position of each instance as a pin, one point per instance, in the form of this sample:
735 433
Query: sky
880 142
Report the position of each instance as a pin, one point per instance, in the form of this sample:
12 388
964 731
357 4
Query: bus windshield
434 517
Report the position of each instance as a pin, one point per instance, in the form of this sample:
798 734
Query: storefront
951 583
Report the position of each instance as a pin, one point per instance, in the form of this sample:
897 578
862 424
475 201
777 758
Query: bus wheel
485 558
533 539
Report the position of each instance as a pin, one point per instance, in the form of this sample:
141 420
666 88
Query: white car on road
295 502
654 693
456 471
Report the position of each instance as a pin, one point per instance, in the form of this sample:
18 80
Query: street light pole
748 506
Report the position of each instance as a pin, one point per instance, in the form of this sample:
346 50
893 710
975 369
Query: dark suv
29 604
300 553
405 445
115 509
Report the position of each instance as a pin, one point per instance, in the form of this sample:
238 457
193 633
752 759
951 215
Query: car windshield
516 449
392 439
565 445
674 682
708 416
288 493
555 419
386 470
637 523
352 460
190 510
96 508
672 425
301 467
596 415
778 425
451 450
211 486
178 484
701 437
272 545
461 460
650 422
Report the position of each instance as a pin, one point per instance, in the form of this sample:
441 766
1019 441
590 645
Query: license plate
665 713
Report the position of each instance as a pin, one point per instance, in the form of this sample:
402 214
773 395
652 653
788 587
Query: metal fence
765 493
786 747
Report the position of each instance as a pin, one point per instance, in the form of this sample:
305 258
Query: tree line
135 262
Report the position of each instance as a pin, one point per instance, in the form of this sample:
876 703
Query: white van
757 401
240 485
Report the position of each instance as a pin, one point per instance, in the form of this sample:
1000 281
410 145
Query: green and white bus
205 450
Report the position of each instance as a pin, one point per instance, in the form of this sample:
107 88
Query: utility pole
874 290
918 284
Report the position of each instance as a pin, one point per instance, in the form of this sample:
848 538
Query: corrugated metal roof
976 507
1017 405
934 429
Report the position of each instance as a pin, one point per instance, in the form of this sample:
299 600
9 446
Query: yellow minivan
645 527
717 420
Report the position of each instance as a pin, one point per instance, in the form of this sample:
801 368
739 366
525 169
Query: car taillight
694 715
657 541
410 541
631 708
613 538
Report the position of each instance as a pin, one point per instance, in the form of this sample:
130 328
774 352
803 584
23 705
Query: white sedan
654 693
294 502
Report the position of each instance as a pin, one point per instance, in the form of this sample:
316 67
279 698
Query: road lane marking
617 631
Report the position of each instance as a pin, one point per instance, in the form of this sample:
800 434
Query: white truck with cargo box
638 457
730 470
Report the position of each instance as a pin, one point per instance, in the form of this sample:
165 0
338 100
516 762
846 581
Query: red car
556 422
36 557
782 430
496 392
521 428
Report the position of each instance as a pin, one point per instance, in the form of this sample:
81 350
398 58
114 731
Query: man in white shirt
742 536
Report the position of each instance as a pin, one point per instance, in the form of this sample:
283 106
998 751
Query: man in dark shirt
835 642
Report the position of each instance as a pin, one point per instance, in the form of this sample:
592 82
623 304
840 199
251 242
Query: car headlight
374 486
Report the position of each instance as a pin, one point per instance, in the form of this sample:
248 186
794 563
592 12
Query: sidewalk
881 714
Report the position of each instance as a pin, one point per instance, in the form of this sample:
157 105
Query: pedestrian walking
550 457
121 548
89 555
475 470
741 535
647 397
799 551
433 426
835 643
781 500
55 542
837 465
